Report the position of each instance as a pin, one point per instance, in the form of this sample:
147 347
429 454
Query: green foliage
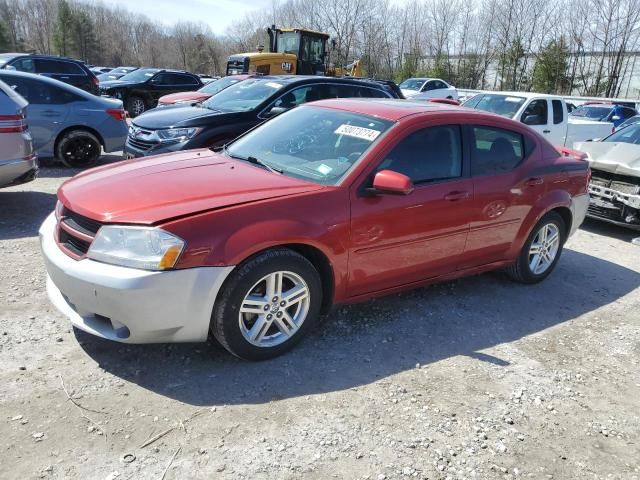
84 42
4 38
510 65
62 36
550 72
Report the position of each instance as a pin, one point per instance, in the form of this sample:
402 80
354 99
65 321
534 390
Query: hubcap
138 106
544 248
274 309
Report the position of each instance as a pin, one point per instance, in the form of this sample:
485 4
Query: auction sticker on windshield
273 84
358 132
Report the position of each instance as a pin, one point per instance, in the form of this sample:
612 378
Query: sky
219 14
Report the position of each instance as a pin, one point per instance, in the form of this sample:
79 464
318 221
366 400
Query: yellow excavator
292 51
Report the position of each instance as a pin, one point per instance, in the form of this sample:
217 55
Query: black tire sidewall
225 318
130 101
527 274
74 134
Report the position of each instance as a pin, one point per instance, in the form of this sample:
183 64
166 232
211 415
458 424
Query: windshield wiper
254 160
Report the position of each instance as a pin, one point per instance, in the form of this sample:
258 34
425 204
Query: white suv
18 160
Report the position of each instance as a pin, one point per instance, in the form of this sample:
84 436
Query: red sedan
333 202
209 90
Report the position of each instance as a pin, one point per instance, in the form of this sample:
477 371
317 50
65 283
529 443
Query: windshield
141 75
412 84
591 112
219 85
123 70
316 144
4 58
630 134
288 42
505 105
243 96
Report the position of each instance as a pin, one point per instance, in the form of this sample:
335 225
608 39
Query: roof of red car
388 109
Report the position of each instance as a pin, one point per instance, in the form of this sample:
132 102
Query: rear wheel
267 305
78 149
541 251
135 106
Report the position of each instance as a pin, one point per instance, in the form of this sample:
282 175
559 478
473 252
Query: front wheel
267 305
541 251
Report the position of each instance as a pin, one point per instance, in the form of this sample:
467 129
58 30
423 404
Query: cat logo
287 66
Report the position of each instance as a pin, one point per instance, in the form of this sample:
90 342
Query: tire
259 336
135 106
526 270
78 149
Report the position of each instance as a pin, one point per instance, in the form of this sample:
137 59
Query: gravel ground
479 378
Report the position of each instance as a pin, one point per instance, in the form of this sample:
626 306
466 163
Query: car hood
184 97
178 116
409 93
173 185
614 157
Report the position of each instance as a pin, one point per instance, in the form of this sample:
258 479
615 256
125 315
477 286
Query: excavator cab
292 51
309 47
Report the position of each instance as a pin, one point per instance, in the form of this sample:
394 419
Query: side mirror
275 111
392 183
532 120
10 67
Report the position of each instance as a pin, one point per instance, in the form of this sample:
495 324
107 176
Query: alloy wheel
274 309
544 248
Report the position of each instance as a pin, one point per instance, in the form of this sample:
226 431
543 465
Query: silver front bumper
130 305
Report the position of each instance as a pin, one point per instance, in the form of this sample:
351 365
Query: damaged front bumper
615 199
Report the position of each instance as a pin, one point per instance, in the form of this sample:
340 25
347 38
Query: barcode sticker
358 132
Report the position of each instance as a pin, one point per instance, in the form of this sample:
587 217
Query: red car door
401 239
505 189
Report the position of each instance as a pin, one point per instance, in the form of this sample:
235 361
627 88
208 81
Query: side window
439 85
181 79
627 113
429 154
70 68
495 150
366 92
25 65
162 79
309 93
48 66
312 50
537 111
36 93
429 86
558 112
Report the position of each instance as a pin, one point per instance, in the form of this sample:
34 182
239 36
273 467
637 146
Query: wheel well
321 263
77 127
565 213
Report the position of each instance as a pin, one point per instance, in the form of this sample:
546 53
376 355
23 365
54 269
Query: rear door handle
546 131
50 113
532 182
455 196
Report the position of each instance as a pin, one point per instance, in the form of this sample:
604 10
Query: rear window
495 150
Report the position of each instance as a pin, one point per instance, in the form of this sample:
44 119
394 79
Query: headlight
177 134
147 248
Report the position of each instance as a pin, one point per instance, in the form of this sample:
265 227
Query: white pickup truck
545 113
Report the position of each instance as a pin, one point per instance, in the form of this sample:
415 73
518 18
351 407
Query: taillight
118 114
95 81
12 123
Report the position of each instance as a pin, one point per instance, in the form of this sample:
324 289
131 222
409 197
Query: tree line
586 47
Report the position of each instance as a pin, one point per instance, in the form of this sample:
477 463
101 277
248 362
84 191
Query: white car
18 161
425 88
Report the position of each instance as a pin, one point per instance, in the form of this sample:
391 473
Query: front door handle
546 131
532 182
455 196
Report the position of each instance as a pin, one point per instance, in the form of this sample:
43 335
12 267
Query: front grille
140 144
76 232
621 183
